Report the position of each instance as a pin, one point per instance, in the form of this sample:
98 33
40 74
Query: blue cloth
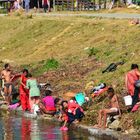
80 98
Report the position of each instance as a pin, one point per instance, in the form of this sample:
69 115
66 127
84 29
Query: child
48 102
72 112
114 108
34 93
58 107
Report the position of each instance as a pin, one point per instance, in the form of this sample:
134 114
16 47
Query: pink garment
14 106
101 91
63 128
49 102
131 77
135 108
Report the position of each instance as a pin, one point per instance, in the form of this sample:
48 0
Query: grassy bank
74 50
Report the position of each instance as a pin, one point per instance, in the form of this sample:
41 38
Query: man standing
7 78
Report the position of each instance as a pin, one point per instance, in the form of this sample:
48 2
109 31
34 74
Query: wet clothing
24 94
24 98
7 85
49 103
114 109
33 87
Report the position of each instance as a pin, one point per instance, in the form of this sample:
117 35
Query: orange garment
131 78
72 106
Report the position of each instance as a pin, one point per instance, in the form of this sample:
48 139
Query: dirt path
103 15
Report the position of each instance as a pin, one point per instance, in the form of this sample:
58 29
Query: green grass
44 66
54 43
30 40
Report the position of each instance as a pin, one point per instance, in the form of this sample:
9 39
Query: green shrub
92 51
51 64
43 66
107 53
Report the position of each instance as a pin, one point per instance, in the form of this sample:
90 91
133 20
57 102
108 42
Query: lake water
21 128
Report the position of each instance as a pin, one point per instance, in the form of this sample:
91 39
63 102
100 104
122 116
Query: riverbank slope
69 52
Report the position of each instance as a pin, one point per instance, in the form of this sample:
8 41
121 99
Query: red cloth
131 77
25 129
50 108
101 91
25 102
24 94
45 2
22 90
72 106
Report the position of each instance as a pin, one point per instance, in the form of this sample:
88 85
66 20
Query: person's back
131 77
49 102
33 87
32 83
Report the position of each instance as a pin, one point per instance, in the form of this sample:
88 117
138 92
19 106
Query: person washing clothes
34 93
24 93
47 105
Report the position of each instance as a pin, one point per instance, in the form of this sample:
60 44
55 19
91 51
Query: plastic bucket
128 100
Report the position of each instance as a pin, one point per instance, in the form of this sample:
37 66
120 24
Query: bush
92 52
51 64
43 66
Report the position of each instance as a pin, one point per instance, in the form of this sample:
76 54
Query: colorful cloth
80 98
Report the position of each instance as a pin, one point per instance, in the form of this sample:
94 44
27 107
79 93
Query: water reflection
13 128
25 129
7 129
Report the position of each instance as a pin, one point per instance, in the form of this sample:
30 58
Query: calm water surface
15 128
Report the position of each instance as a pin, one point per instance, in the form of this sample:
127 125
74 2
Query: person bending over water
34 93
47 105
114 108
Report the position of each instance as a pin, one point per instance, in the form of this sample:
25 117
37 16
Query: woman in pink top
47 106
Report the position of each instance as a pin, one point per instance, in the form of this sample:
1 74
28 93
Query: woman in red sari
24 92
